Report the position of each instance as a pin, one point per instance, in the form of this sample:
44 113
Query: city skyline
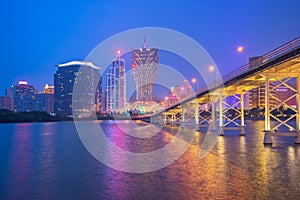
35 41
152 99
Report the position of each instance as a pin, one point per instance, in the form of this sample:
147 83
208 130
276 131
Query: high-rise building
116 85
257 96
41 102
184 90
19 96
99 97
171 98
64 80
5 103
144 63
25 98
10 92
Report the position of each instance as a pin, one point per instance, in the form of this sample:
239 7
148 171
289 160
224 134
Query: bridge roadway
208 105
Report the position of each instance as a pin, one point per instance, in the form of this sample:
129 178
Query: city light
211 68
194 81
23 83
240 49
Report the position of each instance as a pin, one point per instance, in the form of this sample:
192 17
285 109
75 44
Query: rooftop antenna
145 45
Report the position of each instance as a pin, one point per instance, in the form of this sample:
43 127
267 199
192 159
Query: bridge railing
288 47
283 49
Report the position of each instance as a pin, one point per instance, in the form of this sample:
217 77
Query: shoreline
145 119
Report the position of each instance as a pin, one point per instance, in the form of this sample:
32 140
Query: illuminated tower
116 85
144 63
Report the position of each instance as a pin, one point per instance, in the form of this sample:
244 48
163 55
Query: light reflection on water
48 161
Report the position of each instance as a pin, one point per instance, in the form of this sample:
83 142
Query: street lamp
194 80
242 49
212 68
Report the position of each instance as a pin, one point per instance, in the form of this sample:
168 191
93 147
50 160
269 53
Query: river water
49 161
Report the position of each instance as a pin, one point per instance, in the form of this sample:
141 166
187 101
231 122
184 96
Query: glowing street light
212 68
118 53
194 80
242 49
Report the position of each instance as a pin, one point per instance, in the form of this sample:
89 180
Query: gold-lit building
49 89
144 64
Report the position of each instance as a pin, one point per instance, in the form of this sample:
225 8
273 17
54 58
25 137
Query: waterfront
48 161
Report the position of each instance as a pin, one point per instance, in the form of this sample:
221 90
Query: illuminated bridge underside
210 108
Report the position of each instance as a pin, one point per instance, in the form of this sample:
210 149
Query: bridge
208 105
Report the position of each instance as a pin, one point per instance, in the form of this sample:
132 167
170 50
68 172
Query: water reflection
21 160
48 161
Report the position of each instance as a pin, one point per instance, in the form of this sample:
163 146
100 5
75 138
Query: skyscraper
116 85
65 77
144 63
19 96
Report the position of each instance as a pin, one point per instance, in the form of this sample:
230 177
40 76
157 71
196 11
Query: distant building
49 89
171 98
10 92
25 98
19 96
183 90
64 80
283 93
247 99
257 97
116 85
5 103
144 63
99 97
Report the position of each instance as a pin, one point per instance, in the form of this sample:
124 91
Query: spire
145 45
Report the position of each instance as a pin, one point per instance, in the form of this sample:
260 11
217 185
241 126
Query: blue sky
36 35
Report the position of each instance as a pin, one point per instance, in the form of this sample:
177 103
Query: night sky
36 35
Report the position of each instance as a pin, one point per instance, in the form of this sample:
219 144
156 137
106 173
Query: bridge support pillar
267 131
165 118
221 125
196 115
182 118
297 141
212 122
172 119
267 137
242 132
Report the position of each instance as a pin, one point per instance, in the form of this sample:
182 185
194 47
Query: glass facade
65 77
116 86
144 63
